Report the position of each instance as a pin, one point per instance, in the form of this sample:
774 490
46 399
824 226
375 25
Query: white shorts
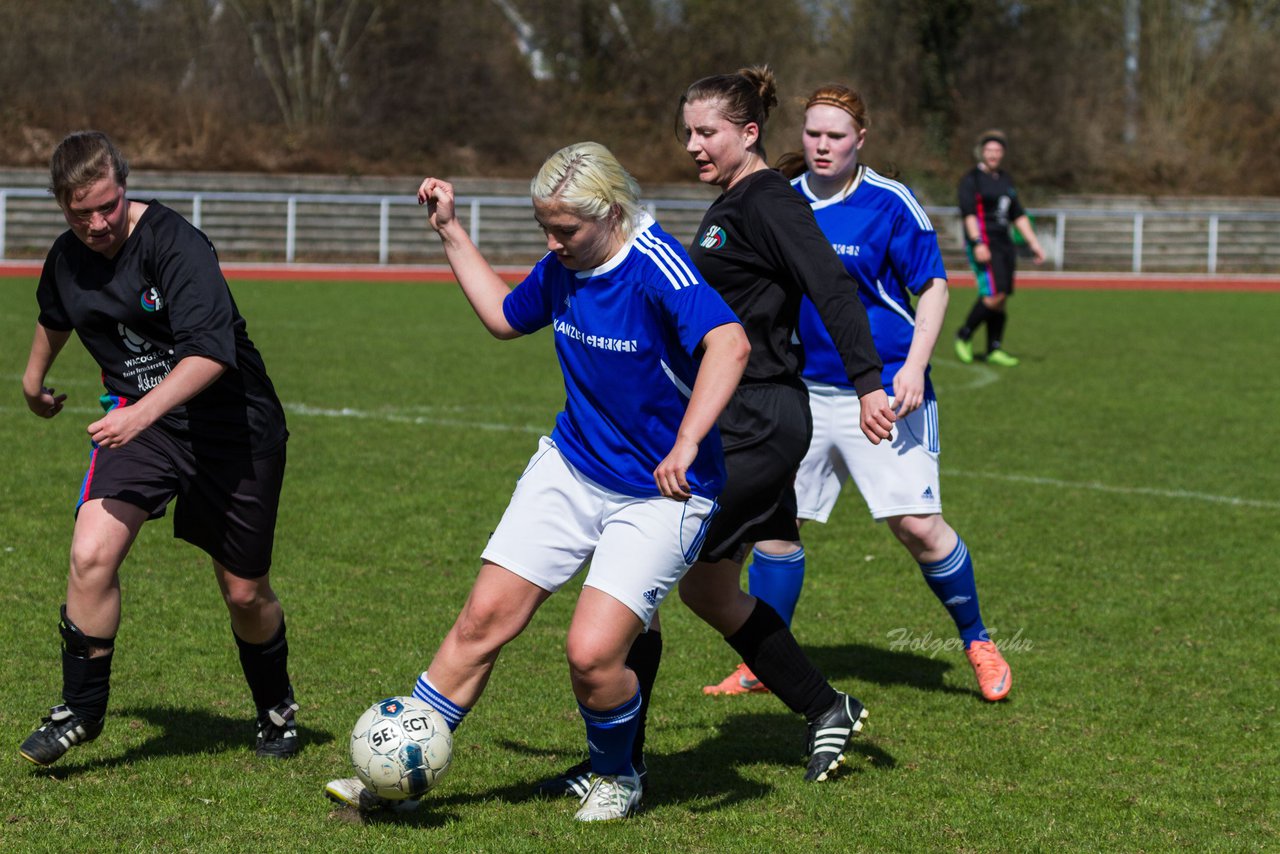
557 520
898 477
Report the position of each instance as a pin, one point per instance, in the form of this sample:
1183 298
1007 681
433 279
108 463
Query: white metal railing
476 206
1138 220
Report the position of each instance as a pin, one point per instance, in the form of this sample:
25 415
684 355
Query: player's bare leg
498 608
104 531
948 571
608 695
754 629
714 592
602 631
643 657
257 621
255 611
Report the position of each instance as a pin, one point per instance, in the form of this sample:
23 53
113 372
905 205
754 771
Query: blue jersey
888 244
627 335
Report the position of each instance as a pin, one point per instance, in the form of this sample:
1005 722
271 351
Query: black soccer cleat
59 731
829 734
277 730
576 781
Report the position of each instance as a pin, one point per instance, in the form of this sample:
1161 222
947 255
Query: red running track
441 273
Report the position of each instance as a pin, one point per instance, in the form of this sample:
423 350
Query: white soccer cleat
611 798
351 792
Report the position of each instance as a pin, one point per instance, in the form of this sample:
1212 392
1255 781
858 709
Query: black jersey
993 200
761 248
163 298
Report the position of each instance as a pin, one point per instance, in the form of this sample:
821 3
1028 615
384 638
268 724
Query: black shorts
766 430
996 277
225 507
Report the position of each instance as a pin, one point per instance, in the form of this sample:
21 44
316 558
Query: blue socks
610 734
427 693
951 580
777 579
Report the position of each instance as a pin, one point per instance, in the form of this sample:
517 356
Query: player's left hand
908 391
671 474
119 427
1037 254
877 416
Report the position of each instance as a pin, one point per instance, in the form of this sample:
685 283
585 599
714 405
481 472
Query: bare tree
560 40
490 86
1132 40
527 41
305 48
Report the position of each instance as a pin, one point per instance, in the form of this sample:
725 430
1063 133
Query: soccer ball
401 747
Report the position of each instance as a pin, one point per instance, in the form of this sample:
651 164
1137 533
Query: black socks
770 650
266 668
978 315
995 329
86 685
644 657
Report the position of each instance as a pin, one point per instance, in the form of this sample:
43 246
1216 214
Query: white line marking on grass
392 417
93 413
1122 490
303 409
58 383
395 418
978 376
346 412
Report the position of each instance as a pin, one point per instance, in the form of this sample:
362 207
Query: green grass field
1119 491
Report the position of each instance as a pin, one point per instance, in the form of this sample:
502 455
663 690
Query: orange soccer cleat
994 677
740 681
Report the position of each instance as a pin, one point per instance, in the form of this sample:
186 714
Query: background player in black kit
760 247
190 414
988 204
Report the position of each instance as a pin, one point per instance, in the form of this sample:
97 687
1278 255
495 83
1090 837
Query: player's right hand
437 195
671 475
46 404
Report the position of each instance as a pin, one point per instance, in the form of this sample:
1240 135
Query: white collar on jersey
849 189
643 223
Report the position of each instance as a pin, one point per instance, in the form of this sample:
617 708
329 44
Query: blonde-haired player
627 480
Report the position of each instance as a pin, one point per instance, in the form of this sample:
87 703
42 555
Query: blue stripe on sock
950 564
951 580
793 558
613 717
427 693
